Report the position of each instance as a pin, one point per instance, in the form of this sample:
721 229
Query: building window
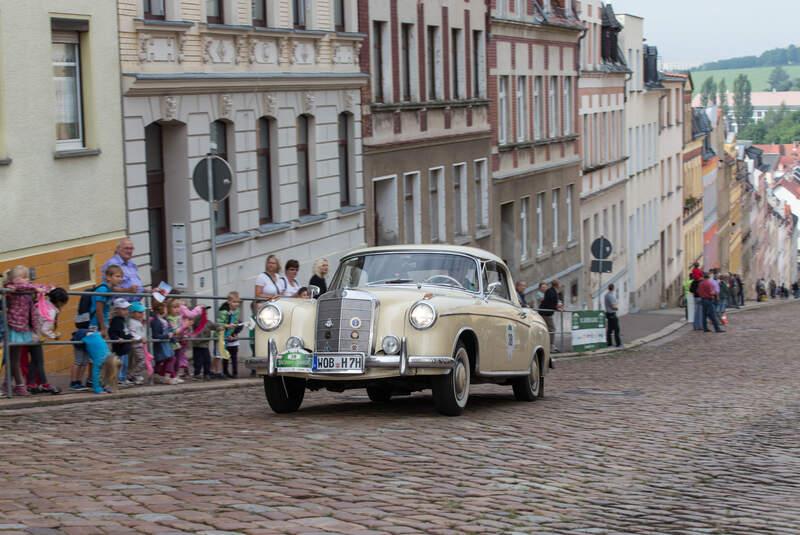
299 10
604 137
219 139
433 64
460 196
586 141
344 159
456 67
80 272
523 216
622 226
501 8
378 48
614 225
481 194
413 224
154 9
502 103
553 94
406 58
567 105
69 97
477 64
214 14
259 13
265 186
437 205
569 213
303 168
338 15
538 115
539 223
555 217
522 112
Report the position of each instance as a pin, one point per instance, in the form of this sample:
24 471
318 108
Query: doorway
386 227
156 202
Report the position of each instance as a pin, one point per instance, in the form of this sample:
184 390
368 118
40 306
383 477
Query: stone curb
669 329
68 398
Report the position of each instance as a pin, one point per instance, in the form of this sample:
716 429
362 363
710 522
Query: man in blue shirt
131 282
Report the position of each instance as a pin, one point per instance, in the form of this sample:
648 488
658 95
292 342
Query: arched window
218 133
344 159
303 171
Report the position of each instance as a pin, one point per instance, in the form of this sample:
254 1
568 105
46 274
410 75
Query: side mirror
492 288
313 290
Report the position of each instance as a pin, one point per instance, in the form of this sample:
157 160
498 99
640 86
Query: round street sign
221 174
601 248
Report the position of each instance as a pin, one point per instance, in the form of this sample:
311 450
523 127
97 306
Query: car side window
492 273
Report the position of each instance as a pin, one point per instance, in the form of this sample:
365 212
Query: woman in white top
270 283
292 267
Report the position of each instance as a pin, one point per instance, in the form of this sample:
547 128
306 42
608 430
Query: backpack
85 309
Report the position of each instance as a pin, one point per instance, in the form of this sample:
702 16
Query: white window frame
413 64
502 7
587 139
436 66
478 63
568 200
524 209
552 97
458 70
502 110
567 80
556 194
72 39
439 225
385 62
481 176
416 207
537 107
518 8
540 223
461 197
522 110
614 225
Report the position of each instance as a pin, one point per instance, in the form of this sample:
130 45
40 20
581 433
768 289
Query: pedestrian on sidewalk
521 287
707 296
612 321
549 305
697 322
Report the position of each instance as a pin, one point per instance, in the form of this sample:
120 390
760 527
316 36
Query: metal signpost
212 179
601 249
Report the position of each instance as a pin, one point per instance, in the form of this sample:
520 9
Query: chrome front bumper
401 362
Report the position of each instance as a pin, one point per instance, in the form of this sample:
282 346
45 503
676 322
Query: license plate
339 363
294 361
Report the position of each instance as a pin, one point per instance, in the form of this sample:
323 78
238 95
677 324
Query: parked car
400 319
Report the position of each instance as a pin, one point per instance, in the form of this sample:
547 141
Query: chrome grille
339 315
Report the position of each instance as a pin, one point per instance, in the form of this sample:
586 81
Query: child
47 316
229 317
302 293
187 319
202 327
98 322
252 333
136 362
118 330
20 324
162 351
179 327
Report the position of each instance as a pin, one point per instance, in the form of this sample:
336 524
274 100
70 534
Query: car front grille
344 322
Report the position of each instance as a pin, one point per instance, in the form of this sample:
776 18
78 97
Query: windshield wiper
389 281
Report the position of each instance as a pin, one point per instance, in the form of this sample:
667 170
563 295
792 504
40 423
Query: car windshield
441 269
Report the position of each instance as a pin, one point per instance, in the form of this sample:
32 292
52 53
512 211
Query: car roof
431 248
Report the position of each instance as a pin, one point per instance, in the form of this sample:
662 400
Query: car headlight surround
294 343
390 344
422 315
269 317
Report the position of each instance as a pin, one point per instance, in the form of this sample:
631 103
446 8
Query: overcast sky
697 31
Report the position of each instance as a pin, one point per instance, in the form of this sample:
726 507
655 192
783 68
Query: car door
508 325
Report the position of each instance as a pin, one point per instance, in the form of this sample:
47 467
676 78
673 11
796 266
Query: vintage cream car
400 319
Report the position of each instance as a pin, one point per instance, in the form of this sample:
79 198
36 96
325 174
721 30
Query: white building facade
274 88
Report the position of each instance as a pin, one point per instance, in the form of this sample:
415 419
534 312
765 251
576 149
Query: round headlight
269 317
422 315
294 343
390 345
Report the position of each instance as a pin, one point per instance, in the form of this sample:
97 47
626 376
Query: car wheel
379 394
531 386
284 394
451 391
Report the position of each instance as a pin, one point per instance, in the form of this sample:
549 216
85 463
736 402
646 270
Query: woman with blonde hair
318 278
270 283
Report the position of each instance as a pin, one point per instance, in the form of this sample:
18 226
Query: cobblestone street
695 433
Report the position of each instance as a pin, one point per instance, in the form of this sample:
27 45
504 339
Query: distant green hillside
758 76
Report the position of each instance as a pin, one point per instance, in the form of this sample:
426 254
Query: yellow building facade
62 202
692 186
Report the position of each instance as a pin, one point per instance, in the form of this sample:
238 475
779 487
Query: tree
723 97
742 105
708 92
777 79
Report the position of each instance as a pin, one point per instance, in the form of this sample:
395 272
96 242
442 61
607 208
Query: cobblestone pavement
697 433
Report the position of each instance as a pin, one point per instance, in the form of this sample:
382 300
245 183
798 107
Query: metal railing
147 296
